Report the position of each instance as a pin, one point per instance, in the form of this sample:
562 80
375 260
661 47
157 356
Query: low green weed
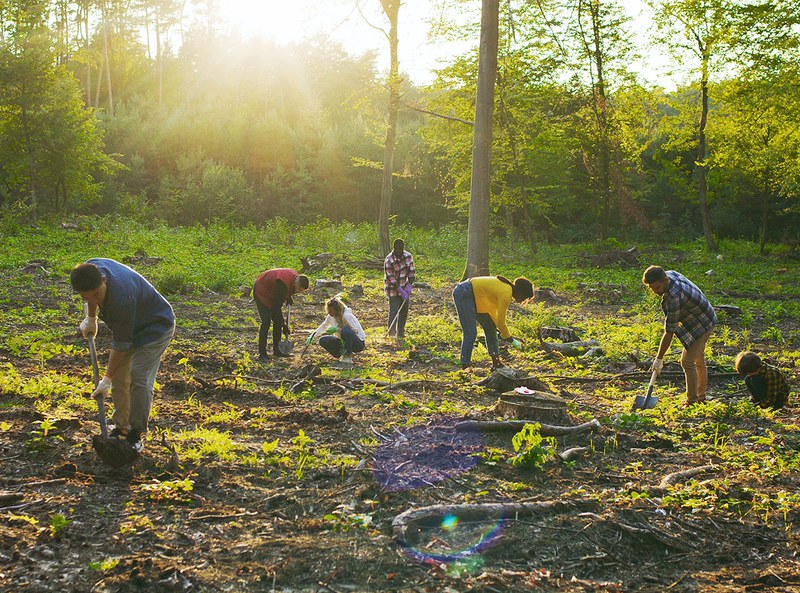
531 449
41 438
170 491
343 518
104 565
57 524
201 443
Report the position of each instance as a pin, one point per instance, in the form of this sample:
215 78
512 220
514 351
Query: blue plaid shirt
689 314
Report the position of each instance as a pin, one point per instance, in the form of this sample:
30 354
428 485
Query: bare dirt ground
259 526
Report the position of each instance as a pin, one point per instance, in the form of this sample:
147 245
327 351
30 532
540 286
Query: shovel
285 346
647 401
113 452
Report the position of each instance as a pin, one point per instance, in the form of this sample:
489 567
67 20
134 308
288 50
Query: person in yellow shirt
485 300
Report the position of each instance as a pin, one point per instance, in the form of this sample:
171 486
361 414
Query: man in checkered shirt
398 276
691 317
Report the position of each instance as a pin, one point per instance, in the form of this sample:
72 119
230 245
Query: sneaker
117 433
134 439
263 358
346 359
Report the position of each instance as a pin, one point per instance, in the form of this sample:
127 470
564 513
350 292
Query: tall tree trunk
106 60
391 8
159 58
601 114
33 196
85 7
478 233
765 200
702 185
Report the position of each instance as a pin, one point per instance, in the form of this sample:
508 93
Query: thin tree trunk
34 199
601 113
88 59
479 200
107 62
762 240
391 8
702 185
159 58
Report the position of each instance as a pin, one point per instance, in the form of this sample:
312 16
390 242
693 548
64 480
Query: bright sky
294 20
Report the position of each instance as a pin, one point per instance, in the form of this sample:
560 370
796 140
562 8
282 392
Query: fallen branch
683 475
7 497
547 430
574 453
406 525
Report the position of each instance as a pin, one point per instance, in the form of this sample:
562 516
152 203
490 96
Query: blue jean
347 344
468 317
132 386
395 305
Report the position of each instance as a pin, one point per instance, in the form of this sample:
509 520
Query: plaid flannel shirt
689 315
397 272
777 387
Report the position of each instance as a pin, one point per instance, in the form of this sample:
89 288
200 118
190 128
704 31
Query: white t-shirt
349 320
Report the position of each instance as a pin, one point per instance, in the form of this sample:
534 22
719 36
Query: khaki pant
132 386
693 361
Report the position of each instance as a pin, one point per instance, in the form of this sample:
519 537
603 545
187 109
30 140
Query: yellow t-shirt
492 296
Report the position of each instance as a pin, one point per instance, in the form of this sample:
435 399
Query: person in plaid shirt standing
766 383
398 276
691 317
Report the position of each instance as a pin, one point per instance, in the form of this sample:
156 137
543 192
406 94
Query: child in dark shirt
766 383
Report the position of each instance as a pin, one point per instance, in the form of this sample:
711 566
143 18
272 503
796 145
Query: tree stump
329 285
505 379
538 405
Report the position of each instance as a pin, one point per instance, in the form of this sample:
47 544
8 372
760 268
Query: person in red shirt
272 289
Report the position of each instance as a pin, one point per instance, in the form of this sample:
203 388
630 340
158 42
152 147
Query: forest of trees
131 107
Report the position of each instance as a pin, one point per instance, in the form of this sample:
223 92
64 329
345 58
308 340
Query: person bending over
485 300
142 324
273 289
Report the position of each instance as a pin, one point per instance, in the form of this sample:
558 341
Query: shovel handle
101 404
653 378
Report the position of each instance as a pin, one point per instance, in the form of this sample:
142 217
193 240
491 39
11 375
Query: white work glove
657 365
103 387
88 326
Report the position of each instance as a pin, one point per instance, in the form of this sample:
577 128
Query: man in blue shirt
691 317
142 324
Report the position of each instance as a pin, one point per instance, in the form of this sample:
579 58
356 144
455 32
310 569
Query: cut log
329 285
540 406
574 453
570 348
407 525
729 309
547 296
314 263
506 379
546 430
562 334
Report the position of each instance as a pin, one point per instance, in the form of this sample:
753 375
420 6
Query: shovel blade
286 346
646 402
114 452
